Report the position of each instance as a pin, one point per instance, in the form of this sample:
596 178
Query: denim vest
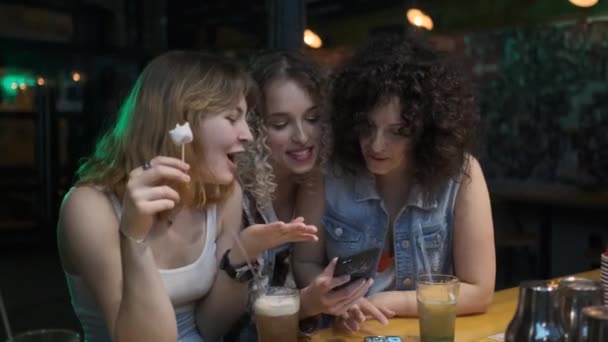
355 219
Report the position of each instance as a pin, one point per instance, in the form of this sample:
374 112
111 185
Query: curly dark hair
255 172
436 101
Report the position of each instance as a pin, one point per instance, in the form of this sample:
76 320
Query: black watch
309 325
240 273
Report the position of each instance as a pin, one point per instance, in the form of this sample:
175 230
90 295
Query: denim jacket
355 219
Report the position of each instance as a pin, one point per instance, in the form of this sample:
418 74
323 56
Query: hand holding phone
359 266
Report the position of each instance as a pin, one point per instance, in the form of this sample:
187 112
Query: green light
12 81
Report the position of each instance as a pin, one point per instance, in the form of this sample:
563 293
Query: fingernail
186 178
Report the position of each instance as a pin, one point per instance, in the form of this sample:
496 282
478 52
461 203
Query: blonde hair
255 171
175 87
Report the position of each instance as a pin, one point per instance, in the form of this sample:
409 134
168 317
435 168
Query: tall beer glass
276 314
437 294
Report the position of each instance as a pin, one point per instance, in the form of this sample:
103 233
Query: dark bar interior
540 70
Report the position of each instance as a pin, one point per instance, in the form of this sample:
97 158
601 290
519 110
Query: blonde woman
142 233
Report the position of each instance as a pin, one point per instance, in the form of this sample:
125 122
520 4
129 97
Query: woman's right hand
321 296
257 238
147 194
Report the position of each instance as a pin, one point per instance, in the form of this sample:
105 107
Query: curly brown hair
255 172
436 100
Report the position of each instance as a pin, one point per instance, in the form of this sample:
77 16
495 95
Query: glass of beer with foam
276 314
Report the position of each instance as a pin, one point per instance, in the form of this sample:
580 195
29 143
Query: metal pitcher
573 295
594 324
537 315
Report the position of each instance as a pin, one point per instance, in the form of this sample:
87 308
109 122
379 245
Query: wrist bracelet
137 241
309 325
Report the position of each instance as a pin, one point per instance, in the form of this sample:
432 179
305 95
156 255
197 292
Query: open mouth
233 157
302 154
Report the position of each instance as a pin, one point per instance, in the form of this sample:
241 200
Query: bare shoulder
473 168
473 191
84 206
86 223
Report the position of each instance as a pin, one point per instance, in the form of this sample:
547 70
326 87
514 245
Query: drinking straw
425 258
257 277
7 326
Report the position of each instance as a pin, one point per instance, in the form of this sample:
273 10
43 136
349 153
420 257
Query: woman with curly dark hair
404 179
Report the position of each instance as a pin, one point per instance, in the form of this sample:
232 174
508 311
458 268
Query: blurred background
540 70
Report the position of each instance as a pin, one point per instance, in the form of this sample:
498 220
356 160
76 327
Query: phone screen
383 339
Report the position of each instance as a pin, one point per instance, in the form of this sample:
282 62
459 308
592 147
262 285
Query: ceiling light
583 3
312 39
419 19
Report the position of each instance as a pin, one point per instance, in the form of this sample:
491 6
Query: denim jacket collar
365 189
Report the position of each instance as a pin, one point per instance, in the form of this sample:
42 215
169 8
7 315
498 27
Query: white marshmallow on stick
181 135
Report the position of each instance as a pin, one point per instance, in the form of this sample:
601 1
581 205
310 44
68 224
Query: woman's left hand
365 309
260 237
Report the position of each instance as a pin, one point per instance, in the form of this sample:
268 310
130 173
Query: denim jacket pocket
431 247
342 238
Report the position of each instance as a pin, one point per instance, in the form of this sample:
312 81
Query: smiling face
220 137
384 141
293 127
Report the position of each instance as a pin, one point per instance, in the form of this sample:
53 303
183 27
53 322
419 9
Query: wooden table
468 328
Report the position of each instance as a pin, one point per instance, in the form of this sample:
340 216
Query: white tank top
185 286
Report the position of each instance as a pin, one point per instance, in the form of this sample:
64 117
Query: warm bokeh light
75 76
583 3
312 39
420 19
40 81
22 86
14 85
413 14
427 23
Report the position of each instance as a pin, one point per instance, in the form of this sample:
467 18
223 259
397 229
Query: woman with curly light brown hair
282 179
403 178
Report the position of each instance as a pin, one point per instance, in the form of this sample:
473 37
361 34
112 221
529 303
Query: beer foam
274 306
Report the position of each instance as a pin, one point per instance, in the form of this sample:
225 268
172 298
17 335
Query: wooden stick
183 152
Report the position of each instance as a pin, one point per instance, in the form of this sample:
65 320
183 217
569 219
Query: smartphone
359 266
383 339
